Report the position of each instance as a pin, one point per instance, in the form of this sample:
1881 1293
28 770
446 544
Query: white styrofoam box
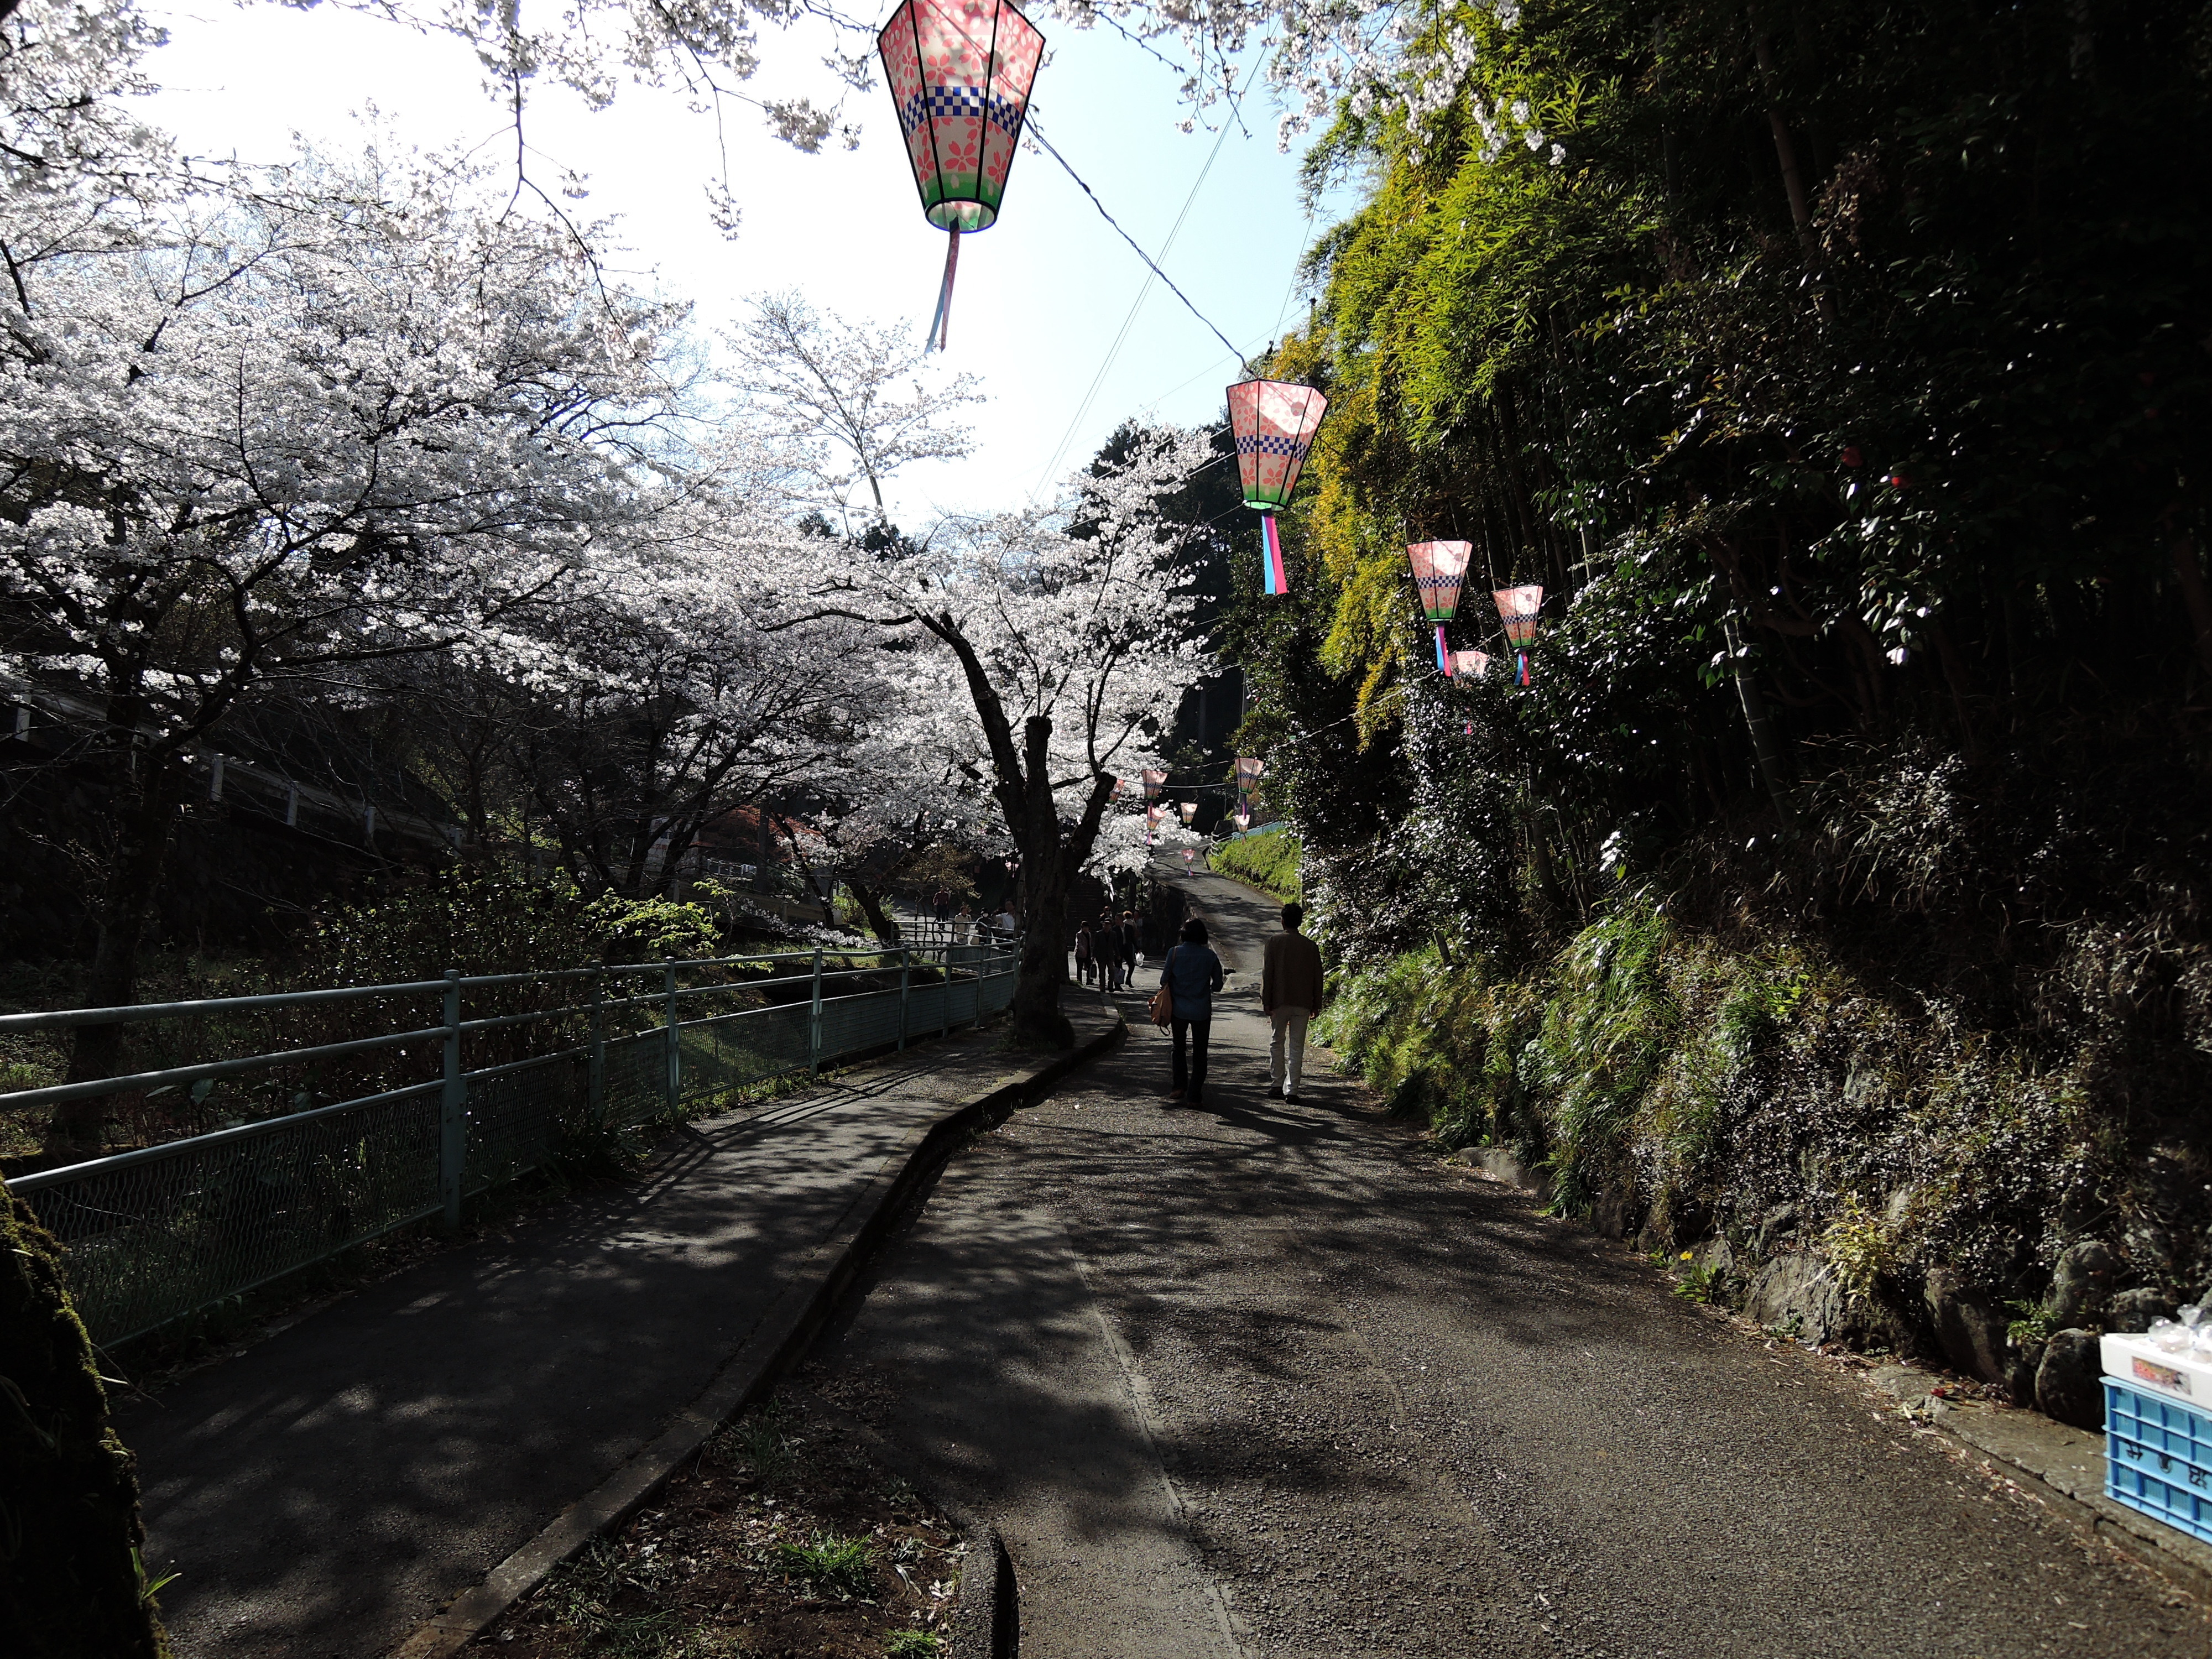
2139 1362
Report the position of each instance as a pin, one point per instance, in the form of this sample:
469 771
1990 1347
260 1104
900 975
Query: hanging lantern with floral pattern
1275 422
1517 608
960 73
1438 569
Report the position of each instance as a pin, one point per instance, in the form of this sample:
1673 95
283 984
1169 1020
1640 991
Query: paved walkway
321 1492
1265 1380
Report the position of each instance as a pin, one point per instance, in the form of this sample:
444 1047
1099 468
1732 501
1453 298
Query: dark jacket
1194 974
1290 974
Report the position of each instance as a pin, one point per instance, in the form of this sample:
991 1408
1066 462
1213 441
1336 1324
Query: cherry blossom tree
1067 625
328 414
677 699
852 404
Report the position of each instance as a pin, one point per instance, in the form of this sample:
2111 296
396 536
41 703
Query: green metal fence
156 1234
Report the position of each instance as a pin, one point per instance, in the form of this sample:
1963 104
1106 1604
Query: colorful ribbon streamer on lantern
1272 579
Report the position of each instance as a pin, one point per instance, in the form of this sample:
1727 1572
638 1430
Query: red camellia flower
1895 480
1851 456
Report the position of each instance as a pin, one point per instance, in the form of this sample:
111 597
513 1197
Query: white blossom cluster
358 426
1370 55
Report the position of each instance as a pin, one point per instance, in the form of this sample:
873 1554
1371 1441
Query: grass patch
1269 862
785 1539
834 1566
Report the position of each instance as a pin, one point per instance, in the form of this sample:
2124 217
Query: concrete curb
779 1343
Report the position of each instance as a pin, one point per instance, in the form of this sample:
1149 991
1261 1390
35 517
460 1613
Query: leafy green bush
1269 862
500 922
1703 1085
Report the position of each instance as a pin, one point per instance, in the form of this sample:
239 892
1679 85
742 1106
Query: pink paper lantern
960 73
1439 567
1275 422
1517 607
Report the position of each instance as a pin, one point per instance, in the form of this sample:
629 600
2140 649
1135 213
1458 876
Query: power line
1098 381
1032 129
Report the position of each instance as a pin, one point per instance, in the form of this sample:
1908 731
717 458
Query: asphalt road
1260 1379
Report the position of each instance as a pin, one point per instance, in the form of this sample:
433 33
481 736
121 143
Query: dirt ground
785 1538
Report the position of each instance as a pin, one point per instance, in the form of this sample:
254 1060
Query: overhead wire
1031 128
1098 381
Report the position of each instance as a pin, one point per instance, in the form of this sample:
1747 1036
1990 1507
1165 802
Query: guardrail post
595 1071
945 977
675 1044
904 955
452 1110
814 1021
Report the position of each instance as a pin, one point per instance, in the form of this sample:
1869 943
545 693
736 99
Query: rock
2149 1246
1688 1218
1969 1323
1775 1225
2133 1310
1797 1287
2079 1282
2069 1384
2019 1375
1616 1214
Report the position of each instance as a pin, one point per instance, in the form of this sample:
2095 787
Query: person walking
1192 973
1290 994
943 905
1084 949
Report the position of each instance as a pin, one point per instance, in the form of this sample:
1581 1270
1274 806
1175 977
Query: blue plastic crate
2158 1458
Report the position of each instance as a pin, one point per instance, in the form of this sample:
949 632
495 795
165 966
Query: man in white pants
1291 995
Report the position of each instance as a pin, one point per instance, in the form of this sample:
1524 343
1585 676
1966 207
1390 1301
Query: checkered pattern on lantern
1275 422
960 73
1438 569
1517 608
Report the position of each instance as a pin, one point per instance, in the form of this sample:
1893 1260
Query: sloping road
1265 1380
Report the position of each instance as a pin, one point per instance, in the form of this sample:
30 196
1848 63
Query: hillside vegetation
1268 862
1835 888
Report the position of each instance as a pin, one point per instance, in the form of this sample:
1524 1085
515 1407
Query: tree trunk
1763 744
70 1578
146 809
872 906
1037 1021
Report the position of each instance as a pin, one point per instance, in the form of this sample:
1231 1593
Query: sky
1039 299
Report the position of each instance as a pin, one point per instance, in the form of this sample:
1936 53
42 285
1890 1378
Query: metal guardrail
153 1235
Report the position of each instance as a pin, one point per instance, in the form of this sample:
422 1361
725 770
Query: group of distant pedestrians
967 928
1107 951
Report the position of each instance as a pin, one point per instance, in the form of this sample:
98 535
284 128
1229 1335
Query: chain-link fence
530 1063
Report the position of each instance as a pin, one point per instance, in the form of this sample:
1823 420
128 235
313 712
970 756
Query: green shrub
1705 1084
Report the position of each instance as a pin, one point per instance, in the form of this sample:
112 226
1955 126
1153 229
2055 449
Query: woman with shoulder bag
1189 979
